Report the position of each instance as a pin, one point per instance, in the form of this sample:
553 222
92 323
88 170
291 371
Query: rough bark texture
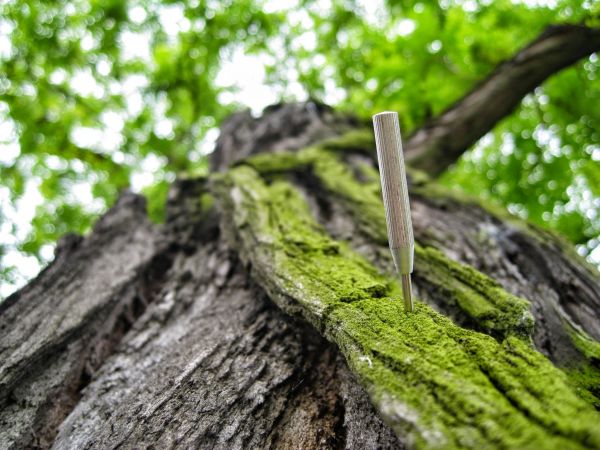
263 314
203 358
213 364
342 186
440 142
294 127
56 332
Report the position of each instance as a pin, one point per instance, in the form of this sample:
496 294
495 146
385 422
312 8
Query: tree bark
264 314
198 356
440 142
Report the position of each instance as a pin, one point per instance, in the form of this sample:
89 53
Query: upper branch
441 141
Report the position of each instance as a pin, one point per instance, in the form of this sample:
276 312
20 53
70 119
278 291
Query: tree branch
441 141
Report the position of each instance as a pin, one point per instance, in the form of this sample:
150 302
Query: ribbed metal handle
395 189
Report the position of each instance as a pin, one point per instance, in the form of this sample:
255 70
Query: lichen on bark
437 384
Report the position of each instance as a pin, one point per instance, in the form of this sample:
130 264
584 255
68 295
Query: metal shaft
395 197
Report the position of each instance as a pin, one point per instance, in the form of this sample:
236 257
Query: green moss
585 380
337 177
269 163
207 202
460 388
488 307
585 343
482 299
585 377
438 385
301 247
360 140
361 199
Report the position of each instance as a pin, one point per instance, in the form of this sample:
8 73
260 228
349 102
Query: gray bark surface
56 332
182 348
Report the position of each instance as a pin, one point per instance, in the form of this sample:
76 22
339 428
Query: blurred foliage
101 95
543 162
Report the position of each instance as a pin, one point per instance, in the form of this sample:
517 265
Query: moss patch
362 200
481 298
438 385
269 163
585 377
488 307
296 247
585 343
585 380
207 202
360 140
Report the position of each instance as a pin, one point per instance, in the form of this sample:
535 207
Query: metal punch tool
395 198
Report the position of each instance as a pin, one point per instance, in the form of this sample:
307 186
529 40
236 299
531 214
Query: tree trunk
264 313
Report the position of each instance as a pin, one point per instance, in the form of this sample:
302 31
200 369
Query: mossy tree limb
438 385
562 288
463 230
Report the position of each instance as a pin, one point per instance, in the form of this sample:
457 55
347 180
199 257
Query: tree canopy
102 95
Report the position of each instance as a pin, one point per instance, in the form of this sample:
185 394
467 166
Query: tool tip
407 292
